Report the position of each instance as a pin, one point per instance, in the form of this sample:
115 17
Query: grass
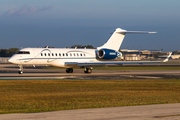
22 96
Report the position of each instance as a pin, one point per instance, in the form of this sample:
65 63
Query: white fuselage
53 56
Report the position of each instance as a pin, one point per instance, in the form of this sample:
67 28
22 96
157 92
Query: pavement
144 112
10 72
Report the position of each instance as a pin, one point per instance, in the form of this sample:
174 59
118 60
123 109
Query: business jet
77 58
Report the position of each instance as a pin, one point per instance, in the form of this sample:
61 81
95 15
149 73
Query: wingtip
168 57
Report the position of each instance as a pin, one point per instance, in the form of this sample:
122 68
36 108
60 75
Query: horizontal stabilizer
136 32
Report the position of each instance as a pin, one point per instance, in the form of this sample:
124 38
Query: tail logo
119 54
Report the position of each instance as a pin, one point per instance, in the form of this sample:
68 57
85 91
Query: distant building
172 56
4 59
138 54
132 57
175 56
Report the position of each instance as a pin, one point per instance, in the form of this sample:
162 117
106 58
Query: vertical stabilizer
116 39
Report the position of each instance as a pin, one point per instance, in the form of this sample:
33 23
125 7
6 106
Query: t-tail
117 37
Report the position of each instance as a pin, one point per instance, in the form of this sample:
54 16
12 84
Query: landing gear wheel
69 70
21 69
20 72
87 70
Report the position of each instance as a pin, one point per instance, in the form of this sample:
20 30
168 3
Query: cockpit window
23 52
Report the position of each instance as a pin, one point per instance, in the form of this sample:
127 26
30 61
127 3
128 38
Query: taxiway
9 72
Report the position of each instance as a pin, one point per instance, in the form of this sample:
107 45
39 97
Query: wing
101 63
92 64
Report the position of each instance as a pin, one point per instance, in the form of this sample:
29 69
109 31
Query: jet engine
108 54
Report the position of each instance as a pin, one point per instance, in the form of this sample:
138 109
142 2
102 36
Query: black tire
88 70
69 70
20 72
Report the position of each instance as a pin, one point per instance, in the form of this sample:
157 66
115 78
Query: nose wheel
20 72
20 69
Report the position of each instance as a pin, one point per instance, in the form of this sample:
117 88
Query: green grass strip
22 96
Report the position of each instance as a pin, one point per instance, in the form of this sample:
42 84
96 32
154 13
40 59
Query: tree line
11 51
83 46
8 52
75 46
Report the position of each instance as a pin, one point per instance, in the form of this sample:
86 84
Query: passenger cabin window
56 54
23 52
52 54
48 54
59 54
44 54
63 54
66 54
41 54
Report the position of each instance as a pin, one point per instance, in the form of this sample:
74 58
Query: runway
9 72
144 112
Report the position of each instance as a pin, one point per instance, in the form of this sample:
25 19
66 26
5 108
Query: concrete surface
145 112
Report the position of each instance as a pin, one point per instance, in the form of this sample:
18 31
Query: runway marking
149 77
167 116
146 77
33 78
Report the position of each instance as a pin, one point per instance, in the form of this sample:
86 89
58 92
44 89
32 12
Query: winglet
167 57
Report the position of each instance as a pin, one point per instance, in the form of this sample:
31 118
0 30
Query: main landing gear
86 70
69 70
20 69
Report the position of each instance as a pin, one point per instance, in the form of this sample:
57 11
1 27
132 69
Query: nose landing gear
20 69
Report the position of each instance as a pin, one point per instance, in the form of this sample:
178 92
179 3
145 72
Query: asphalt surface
145 112
9 71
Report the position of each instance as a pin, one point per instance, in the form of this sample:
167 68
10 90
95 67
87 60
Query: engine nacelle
108 54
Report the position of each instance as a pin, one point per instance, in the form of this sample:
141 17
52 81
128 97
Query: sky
63 23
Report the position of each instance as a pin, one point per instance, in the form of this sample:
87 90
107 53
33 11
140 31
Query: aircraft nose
11 60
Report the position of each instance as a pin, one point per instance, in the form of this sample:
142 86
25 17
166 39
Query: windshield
23 52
